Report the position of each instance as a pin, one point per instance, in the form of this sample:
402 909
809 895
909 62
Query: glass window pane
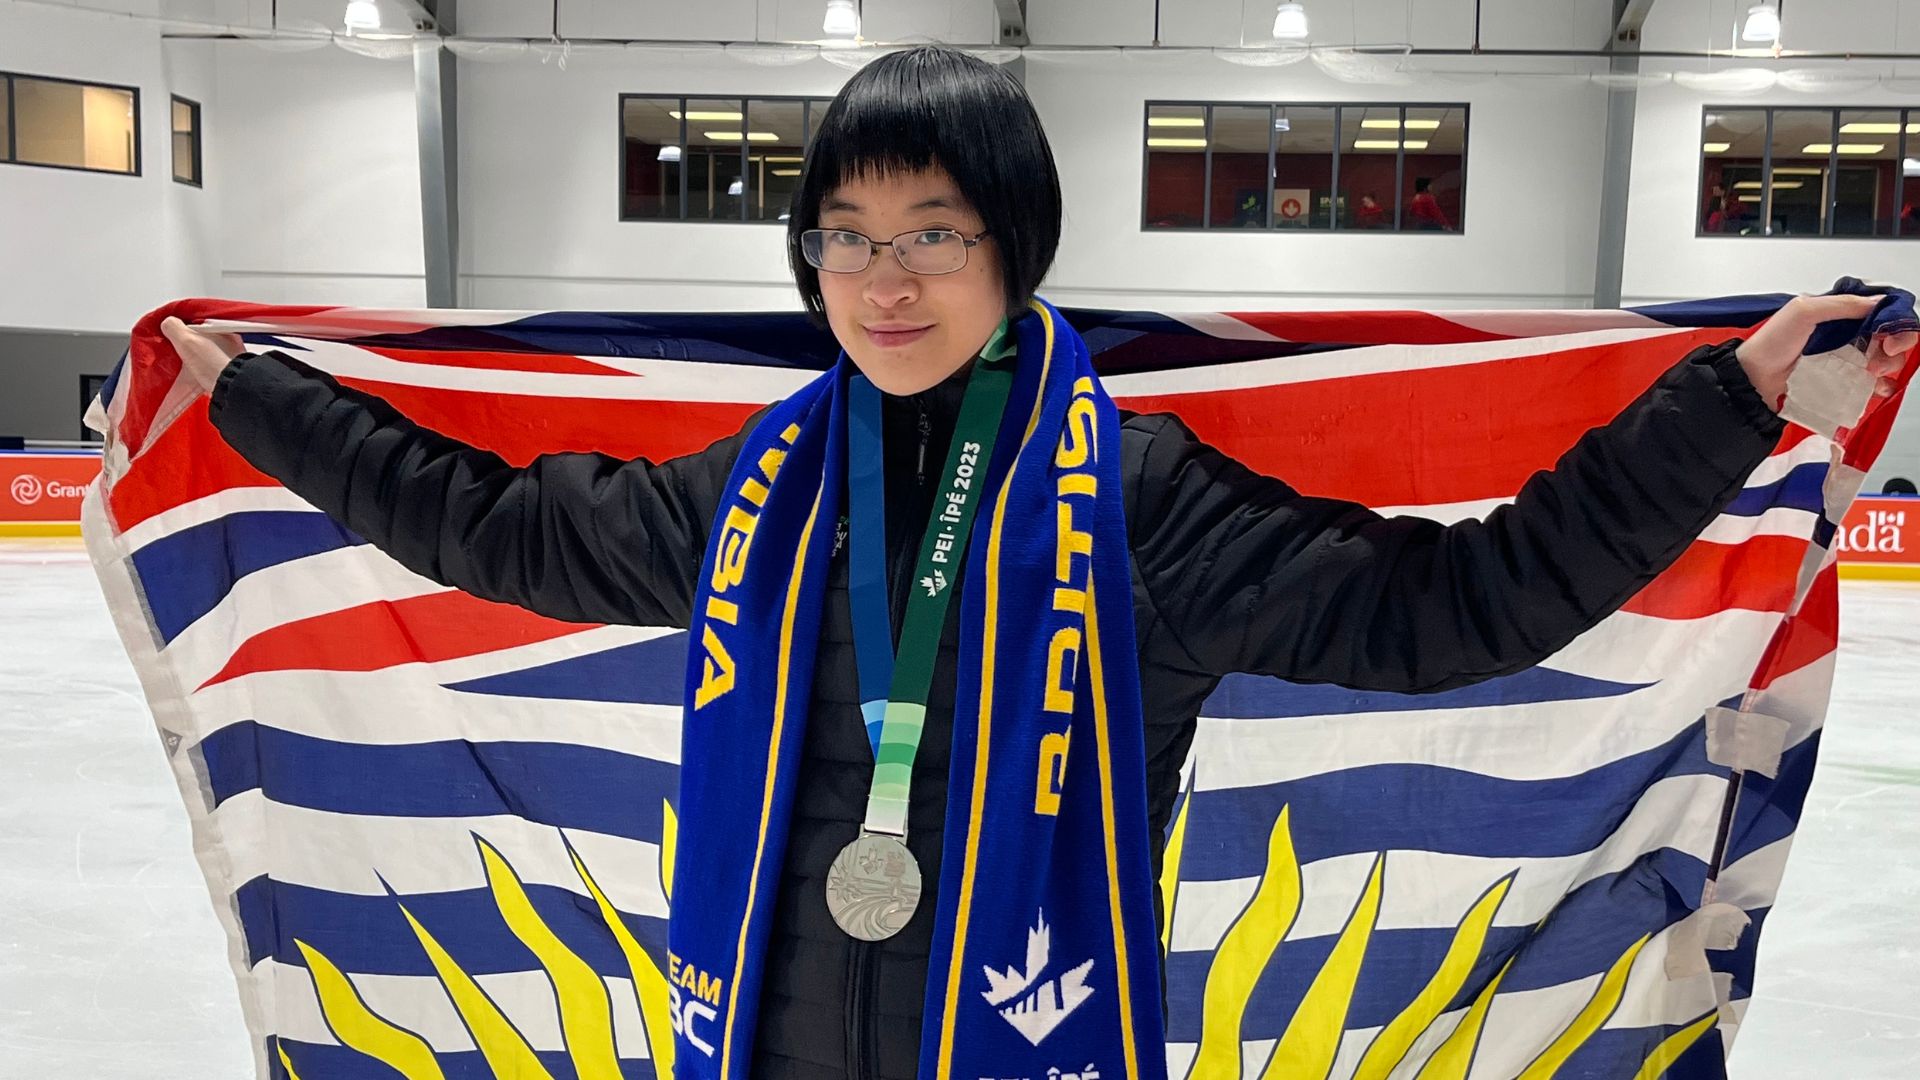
1302 167
83 127
1176 166
716 184
1733 147
1867 189
773 167
1908 220
186 141
1801 140
1239 145
1366 179
650 141
1436 159
6 131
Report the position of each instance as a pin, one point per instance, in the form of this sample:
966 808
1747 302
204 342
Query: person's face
905 331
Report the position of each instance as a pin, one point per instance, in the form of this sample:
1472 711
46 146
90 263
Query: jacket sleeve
1250 575
578 537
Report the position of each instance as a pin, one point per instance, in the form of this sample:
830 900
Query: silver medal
873 887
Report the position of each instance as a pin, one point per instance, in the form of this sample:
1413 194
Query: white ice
112 964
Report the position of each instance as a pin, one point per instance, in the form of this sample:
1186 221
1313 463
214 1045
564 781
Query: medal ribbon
894 721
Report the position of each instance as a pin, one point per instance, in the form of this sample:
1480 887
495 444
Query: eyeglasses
922 251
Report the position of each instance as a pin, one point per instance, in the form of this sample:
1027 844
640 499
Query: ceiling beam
1012 22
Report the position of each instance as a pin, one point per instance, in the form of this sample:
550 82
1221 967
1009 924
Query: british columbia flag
440 831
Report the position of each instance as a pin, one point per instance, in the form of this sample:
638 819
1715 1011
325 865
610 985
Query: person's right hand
203 355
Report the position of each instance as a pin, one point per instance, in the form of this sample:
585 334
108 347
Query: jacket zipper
861 993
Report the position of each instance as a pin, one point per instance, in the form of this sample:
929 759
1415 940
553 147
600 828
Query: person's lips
894 335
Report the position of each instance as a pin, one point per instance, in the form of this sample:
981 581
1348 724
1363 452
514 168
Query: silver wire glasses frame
921 251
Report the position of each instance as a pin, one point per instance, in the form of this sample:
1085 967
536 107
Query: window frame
1907 146
199 163
1333 211
13 124
811 105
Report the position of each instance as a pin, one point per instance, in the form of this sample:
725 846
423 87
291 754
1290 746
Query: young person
928 213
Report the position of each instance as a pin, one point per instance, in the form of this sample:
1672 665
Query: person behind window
1425 210
1370 214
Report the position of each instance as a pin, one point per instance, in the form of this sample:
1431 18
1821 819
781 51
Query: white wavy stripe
1363 360
207 508
1753 882
420 1004
289 592
353 853
1525 323
1221 325
1433 890
660 380
1532 741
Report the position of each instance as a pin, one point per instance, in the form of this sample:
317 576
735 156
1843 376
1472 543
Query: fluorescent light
1865 127
1910 167
785 172
1778 185
1786 171
669 154
1394 125
1717 147
1176 121
1763 24
771 159
734 136
1845 148
363 15
1174 143
1290 23
1389 144
841 21
705 115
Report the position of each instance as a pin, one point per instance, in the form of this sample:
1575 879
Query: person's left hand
1771 354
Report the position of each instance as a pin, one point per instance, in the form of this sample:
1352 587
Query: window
186 141
712 159
1809 172
70 125
1368 168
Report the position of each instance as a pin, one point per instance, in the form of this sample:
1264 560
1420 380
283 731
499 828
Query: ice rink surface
112 965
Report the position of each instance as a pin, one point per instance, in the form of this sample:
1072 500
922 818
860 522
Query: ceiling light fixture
736 188
722 115
1717 147
669 155
1290 23
1862 127
363 15
1845 148
842 20
1394 125
1762 26
734 136
1176 121
1389 144
1173 144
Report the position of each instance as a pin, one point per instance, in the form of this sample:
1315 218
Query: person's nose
888 283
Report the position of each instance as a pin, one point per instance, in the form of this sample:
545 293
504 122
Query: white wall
92 251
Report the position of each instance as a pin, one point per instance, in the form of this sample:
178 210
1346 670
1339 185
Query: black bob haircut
934 106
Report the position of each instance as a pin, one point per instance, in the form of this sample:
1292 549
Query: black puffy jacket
1232 571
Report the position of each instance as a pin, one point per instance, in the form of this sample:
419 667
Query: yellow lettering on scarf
1066 641
730 569
1076 442
1053 773
685 976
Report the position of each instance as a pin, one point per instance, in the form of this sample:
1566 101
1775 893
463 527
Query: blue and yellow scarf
1045 954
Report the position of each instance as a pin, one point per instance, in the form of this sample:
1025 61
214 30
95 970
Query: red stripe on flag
521 427
1810 635
1756 574
1364 327
188 461
1460 433
543 363
388 633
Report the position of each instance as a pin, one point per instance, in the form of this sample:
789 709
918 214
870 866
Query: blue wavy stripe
1800 489
1741 960
315 1061
1256 697
186 574
1585 934
1769 810
1429 808
368 934
651 672
559 784
1619 1053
